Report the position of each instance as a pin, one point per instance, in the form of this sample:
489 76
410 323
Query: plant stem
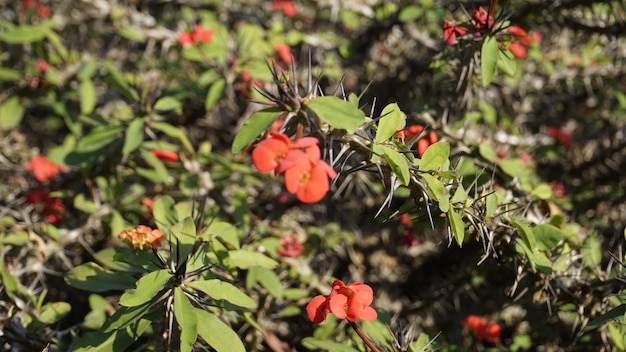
364 338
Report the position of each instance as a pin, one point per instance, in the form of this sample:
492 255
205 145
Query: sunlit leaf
457 226
11 113
245 259
92 277
338 113
392 119
254 127
548 236
435 156
217 334
398 164
147 288
489 59
186 318
222 290
214 94
87 96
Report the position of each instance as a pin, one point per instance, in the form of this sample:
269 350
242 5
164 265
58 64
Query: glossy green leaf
227 233
217 334
164 213
487 152
98 312
112 341
392 119
222 290
134 136
147 288
460 195
11 113
548 236
175 133
9 283
87 96
254 127
99 138
435 156
542 191
398 164
435 187
337 112
168 104
53 312
489 59
126 316
92 277
245 259
187 320
214 94
457 226
614 313
526 234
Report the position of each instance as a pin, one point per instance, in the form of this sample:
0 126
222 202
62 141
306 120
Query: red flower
482 329
290 246
148 203
451 30
44 169
424 142
270 152
558 189
307 175
520 41
42 10
482 21
405 220
284 52
42 66
197 35
409 239
286 6
51 208
167 156
141 237
346 302
561 136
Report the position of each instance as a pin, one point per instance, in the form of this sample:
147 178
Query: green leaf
132 33
398 164
84 205
126 316
617 337
168 104
23 34
147 288
11 113
614 313
186 318
326 345
542 191
392 119
53 312
410 13
173 132
183 238
57 43
214 94
267 278
94 278
435 156
489 59
506 63
8 74
9 283
460 195
118 340
435 187
337 112
87 96
227 233
245 259
99 138
457 226
117 81
591 252
548 236
541 261
134 136
164 213
489 113
217 334
254 126
526 234
222 290
486 151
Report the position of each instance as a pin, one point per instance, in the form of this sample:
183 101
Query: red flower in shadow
561 136
482 21
51 208
290 246
482 328
424 142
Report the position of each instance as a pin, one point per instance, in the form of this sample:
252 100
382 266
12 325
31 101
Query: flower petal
317 309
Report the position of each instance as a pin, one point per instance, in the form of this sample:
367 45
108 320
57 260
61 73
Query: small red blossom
284 52
482 21
345 302
405 220
247 82
482 328
424 142
29 4
561 136
290 246
42 66
451 30
197 35
42 10
51 208
148 203
44 169
168 156
270 152
520 42
527 159
408 239
141 237
558 189
286 6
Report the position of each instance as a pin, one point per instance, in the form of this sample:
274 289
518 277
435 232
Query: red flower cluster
141 237
482 328
40 10
482 21
284 52
422 143
408 238
51 208
561 136
167 156
520 42
44 169
196 35
286 6
345 302
290 246
306 175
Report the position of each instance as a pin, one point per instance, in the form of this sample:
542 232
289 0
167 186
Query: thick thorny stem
363 337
